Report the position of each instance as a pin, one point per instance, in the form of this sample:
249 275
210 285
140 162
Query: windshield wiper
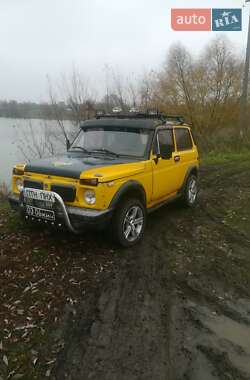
80 148
103 150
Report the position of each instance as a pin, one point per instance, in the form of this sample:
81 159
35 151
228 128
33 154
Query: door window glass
183 139
166 141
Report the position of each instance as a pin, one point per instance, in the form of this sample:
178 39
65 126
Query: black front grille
33 184
68 193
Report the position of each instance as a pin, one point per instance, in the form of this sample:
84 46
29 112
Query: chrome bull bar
47 196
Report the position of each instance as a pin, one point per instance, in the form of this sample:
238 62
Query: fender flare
126 188
191 169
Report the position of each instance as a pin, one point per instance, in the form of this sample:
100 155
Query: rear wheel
191 191
129 222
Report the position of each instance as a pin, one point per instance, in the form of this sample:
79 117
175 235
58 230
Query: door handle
177 158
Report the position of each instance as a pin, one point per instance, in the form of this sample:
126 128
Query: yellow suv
118 169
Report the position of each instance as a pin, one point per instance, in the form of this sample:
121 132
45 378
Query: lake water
22 138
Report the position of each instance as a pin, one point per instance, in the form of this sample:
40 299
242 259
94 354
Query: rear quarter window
183 139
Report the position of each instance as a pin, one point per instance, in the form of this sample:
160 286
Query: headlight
18 171
19 184
89 196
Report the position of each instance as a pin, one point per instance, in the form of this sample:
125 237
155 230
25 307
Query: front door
165 179
185 153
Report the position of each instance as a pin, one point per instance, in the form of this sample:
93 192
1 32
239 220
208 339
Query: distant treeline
31 110
75 111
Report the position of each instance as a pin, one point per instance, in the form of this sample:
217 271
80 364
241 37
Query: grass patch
214 157
10 221
4 190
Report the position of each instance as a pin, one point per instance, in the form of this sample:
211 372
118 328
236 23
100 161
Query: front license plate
40 213
39 195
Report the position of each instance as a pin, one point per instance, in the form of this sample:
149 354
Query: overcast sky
48 37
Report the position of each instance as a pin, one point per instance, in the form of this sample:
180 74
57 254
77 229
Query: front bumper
74 218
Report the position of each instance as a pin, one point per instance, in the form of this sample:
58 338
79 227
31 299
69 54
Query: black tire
123 222
190 194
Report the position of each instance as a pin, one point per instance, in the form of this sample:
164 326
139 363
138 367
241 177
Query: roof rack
173 119
168 119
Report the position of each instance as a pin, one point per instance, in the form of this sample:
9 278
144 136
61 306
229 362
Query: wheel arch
130 189
192 170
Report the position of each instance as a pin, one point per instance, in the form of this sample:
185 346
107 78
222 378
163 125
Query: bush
4 190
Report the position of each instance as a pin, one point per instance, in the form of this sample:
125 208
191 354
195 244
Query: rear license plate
40 213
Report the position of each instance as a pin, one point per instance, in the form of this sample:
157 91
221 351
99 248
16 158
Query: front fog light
90 197
19 185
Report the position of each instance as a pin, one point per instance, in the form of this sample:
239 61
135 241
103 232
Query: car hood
73 165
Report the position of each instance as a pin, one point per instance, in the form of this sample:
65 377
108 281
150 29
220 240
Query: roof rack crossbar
141 115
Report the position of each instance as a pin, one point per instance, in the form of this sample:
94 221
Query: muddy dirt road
177 306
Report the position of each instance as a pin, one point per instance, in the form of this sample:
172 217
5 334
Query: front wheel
191 191
129 222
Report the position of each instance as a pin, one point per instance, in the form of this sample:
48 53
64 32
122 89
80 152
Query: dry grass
4 190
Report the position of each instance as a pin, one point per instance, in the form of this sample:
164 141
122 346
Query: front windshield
116 141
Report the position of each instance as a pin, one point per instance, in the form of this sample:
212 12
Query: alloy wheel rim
133 223
192 191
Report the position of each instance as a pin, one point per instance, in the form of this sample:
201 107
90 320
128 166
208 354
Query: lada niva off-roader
117 170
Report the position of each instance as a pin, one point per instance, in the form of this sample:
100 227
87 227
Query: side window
166 141
183 139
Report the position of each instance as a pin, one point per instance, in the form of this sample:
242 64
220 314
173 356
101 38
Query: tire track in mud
213 330
128 338
211 346
156 319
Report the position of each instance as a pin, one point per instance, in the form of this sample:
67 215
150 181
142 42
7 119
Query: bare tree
79 101
79 98
119 89
205 89
147 97
57 113
129 91
37 142
133 95
222 74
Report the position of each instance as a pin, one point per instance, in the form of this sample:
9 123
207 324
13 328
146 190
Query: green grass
224 157
10 221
